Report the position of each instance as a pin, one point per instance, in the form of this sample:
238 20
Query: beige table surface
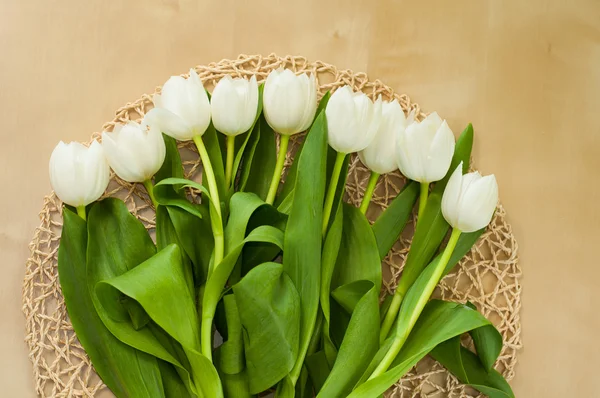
526 73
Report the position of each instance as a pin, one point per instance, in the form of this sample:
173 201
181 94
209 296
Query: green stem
335 177
423 199
209 173
369 192
206 336
214 197
390 315
150 189
229 163
283 146
81 212
400 339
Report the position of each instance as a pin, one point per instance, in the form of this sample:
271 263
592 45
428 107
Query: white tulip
425 149
289 101
352 120
182 110
234 104
469 200
78 175
135 152
380 155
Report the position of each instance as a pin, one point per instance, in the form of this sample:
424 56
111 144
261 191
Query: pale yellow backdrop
526 73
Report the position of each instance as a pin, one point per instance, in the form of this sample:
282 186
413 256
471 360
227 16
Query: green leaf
231 352
318 369
245 138
216 154
330 253
172 166
125 370
302 245
269 308
390 224
192 234
290 181
158 285
469 370
488 343
439 321
216 283
358 257
432 228
361 339
259 161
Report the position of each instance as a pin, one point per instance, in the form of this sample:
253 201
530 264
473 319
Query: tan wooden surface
526 73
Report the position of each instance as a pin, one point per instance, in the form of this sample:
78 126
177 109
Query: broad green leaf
361 340
172 383
158 285
358 257
432 228
164 195
290 180
216 283
172 166
341 184
269 308
285 388
488 343
328 261
117 243
439 321
390 224
216 154
302 245
231 352
192 234
125 370
466 366
318 369
259 161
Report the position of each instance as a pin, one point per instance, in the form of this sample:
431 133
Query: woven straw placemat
488 276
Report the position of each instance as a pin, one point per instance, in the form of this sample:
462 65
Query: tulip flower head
234 104
425 149
79 175
469 200
352 120
289 101
380 155
182 109
135 152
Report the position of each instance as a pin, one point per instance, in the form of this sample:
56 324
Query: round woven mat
488 276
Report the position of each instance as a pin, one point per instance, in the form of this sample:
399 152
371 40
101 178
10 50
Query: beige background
526 73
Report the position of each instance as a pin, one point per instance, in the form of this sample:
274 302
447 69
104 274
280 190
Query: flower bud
289 101
135 152
233 105
352 120
182 109
78 175
425 149
469 200
380 155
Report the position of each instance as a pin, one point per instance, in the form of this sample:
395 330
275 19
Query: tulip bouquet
261 286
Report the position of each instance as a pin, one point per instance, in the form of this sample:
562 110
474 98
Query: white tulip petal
78 175
380 155
169 123
478 203
440 153
451 196
341 119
